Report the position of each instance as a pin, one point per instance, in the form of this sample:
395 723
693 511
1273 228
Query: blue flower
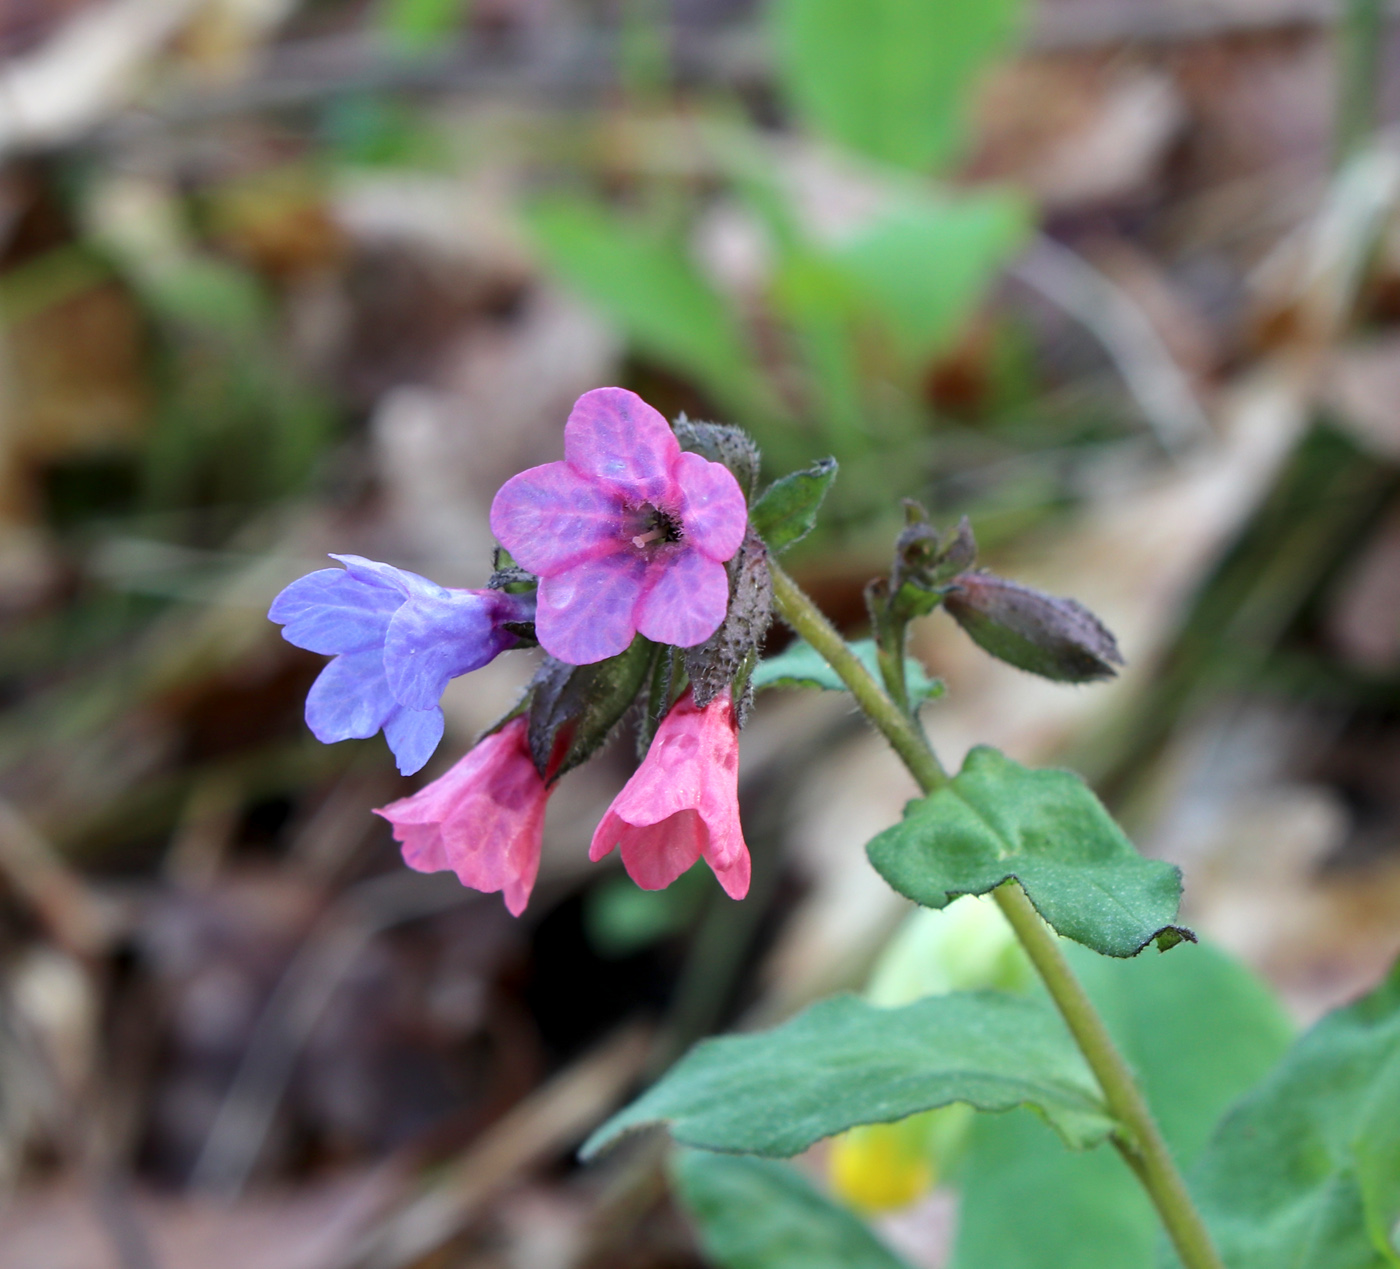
396 639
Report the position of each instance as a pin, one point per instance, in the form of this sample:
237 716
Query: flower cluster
619 556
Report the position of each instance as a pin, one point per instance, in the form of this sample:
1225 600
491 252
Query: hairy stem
810 622
1139 1139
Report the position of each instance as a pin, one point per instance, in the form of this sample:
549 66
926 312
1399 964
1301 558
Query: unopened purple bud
1045 634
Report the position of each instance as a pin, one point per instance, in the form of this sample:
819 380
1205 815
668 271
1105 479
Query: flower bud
1045 634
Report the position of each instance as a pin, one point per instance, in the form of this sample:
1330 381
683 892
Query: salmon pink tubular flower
627 534
682 802
396 639
483 820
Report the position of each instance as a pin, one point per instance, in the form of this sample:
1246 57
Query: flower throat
657 527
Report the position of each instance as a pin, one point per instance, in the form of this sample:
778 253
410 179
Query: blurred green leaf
760 1214
620 918
416 25
211 295
650 287
928 264
997 819
801 665
1198 1029
786 512
1305 1171
889 78
845 1062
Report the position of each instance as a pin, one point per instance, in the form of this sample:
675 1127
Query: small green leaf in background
759 1214
1199 1029
649 286
927 264
786 512
801 665
889 78
1305 1171
845 1062
997 819
415 26
620 918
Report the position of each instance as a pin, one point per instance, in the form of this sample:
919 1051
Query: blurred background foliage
1119 279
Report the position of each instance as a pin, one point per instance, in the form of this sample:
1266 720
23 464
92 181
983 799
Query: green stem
1138 1138
1141 1140
810 622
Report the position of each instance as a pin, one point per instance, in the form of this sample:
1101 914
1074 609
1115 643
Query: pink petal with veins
712 509
682 802
483 819
614 436
585 614
687 597
550 518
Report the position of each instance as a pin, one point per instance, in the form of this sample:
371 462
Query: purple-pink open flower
682 803
627 534
396 639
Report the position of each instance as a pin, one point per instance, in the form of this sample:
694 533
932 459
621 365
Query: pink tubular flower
682 802
627 534
484 819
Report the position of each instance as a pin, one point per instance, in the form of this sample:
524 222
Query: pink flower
484 819
682 802
627 534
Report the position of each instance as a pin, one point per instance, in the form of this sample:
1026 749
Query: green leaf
845 1062
759 1214
996 820
1305 1171
651 289
415 26
929 263
801 665
786 512
889 78
1027 1203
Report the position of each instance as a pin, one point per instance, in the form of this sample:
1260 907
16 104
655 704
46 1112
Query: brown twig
68 910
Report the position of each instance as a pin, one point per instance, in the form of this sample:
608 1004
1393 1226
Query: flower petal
550 518
682 802
687 598
484 819
713 510
350 699
653 854
420 845
329 611
413 736
585 614
728 857
432 639
373 573
614 436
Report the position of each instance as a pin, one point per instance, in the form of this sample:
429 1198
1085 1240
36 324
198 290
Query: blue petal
413 734
330 611
399 579
350 699
432 639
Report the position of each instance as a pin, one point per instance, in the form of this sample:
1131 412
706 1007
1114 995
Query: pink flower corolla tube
483 820
396 639
629 533
682 802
